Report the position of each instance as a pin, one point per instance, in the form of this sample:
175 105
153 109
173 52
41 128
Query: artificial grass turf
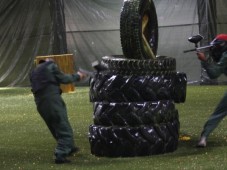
27 144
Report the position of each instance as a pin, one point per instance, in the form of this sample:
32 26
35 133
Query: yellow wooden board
66 64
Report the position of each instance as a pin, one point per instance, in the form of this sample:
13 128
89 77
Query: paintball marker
196 39
96 65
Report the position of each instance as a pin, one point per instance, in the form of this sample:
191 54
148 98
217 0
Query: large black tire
149 66
134 114
134 141
131 21
119 88
134 111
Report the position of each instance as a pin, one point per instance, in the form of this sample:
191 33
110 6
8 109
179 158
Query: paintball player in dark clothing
219 54
45 81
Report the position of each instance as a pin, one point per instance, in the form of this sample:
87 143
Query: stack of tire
134 97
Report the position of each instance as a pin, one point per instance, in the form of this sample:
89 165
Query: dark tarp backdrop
24 33
89 29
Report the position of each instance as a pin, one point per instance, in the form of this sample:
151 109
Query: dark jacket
46 78
214 70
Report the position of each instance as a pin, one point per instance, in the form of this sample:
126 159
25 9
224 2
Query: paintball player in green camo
219 66
45 82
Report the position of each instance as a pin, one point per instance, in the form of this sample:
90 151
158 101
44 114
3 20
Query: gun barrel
197 49
200 48
186 51
89 73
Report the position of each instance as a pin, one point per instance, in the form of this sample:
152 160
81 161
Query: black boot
74 150
62 161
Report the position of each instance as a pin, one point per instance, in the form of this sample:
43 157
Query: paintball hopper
195 39
98 66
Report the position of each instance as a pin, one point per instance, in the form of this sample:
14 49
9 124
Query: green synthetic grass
26 143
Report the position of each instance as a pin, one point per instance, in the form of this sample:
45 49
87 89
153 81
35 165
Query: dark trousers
53 111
